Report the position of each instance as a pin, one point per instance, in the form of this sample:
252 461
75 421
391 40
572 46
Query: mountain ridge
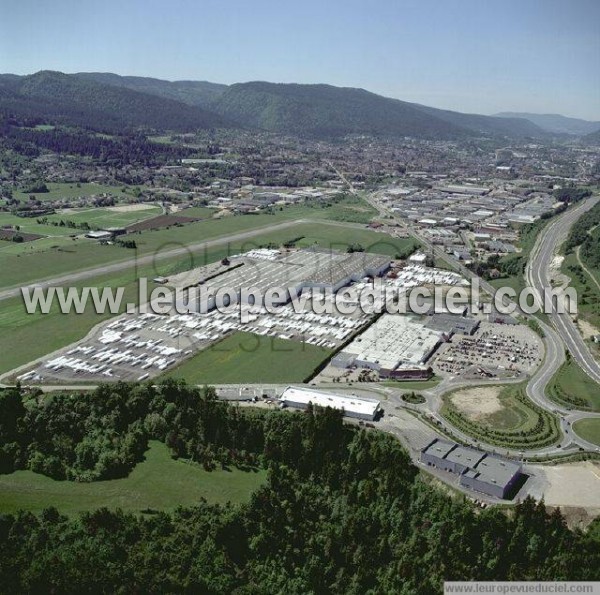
114 102
556 123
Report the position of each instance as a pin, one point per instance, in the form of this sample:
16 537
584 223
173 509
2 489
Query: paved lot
499 350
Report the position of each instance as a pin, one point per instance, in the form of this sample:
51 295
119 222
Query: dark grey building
492 476
435 453
478 470
462 458
453 324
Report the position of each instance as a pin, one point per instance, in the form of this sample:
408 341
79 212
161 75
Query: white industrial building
352 406
294 271
392 341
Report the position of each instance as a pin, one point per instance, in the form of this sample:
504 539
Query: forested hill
516 127
593 138
343 509
113 103
557 123
323 110
72 100
198 93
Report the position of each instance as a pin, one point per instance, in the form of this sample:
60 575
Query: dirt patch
9 234
130 208
478 403
569 486
587 330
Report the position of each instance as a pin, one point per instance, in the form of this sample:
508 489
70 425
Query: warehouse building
492 476
393 341
451 324
351 405
294 271
478 471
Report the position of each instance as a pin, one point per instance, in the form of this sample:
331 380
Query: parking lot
495 350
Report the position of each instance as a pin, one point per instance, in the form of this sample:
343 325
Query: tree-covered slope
326 111
487 125
197 93
556 123
72 100
593 138
343 509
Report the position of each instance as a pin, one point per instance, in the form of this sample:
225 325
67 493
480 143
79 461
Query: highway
537 277
555 339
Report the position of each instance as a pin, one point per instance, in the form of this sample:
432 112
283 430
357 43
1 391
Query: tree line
343 509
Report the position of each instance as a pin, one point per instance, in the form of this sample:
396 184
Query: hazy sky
480 56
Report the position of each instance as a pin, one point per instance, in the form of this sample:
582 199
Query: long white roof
350 403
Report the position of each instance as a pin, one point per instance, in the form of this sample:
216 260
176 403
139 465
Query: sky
480 56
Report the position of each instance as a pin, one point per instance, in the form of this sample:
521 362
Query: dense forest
118 150
581 235
110 103
71 100
343 509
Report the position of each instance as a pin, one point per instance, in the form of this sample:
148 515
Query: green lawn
247 358
413 384
58 191
30 225
588 429
159 483
30 263
519 424
572 387
350 208
103 217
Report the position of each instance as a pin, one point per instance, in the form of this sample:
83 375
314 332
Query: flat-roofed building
477 470
461 458
352 406
392 341
291 272
453 323
492 476
434 454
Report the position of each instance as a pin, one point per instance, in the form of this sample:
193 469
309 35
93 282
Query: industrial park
300 298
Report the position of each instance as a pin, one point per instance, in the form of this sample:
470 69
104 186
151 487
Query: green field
157 483
30 263
30 225
588 294
348 208
247 358
103 217
59 191
520 424
588 429
20 332
572 387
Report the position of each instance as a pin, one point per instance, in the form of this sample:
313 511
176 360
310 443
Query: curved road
537 276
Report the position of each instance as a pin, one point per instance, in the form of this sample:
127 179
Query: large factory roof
393 340
294 271
350 404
